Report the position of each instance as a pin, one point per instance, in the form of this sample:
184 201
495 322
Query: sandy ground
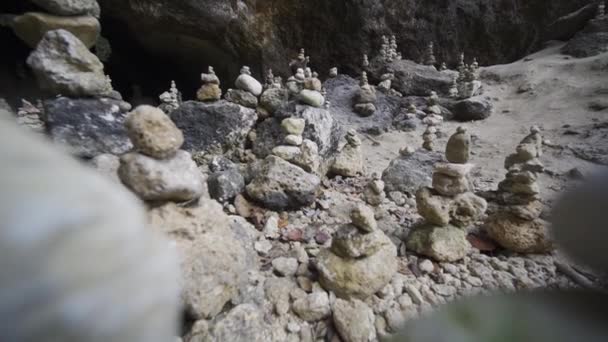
547 89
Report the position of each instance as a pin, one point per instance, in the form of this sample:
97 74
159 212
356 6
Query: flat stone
444 244
31 27
153 133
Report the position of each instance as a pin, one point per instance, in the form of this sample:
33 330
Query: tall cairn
449 208
517 225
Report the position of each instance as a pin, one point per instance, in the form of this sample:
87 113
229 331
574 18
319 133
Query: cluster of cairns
365 98
467 82
157 170
305 84
516 225
388 49
449 208
349 161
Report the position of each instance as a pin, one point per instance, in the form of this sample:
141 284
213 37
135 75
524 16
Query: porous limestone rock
349 162
173 179
64 65
225 185
31 27
153 133
87 127
313 307
519 235
354 320
445 243
280 185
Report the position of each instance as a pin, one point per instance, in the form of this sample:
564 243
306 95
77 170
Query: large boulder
568 25
220 33
408 173
70 7
214 262
31 27
519 235
591 41
87 127
281 185
416 79
64 65
341 91
321 128
215 127
472 109
445 244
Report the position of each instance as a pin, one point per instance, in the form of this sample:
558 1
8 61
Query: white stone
248 83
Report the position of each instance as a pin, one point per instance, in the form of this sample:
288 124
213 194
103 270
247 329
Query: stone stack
169 99
301 62
210 90
449 207
386 81
429 56
297 150
361 259
248 90
158 170
373 194
365 62
349 162
312 87
428 138
333 72
468 83
517 225
365 98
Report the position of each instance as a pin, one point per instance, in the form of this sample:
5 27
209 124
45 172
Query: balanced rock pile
468 83
287 178
449 208
365 98
312 93
158 170
361 259
170 99
248 90
373 193
517 225
349 163
210 90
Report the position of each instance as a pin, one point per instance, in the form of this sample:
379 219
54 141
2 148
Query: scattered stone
287 267
225 185
354 320
314 307
70 7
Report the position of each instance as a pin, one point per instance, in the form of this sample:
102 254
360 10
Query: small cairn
428 138
361 260
468 84
392 52
349 162
475 64
333 72
449 208
158 170
385 49
386 82
30 116
453 92
516 225
365 98
301 62
269 81
601 11
311 94
210 89
248 90
429 55
297 150
169 100
443 67
373 194
365 62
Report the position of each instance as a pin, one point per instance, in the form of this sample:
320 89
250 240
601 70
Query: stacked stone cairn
158 170
467 82
429 55
301 62
449 208
373 194
443 67
333 72
365 97
349 162
388 49
516 225
453 92
169 100
210 89
386 82
361 259
297 150
365 62
428 138
601 11
433 120
311 94
247 91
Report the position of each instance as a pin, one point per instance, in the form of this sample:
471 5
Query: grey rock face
354 320
174 179
87 126
153 133
242 97
415 79
214 127
408 173
70 7
591 41
63 65
225 185
471 109
280 185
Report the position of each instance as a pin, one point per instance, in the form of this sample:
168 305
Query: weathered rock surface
408 173
354 320
415 79
220 33
591 41
273 99
280 185
70 7
214 262
225 185
214 127
242 97
88 127
472 109
174 179
519 235
153 133
565 27
64 65
445 244
31 27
